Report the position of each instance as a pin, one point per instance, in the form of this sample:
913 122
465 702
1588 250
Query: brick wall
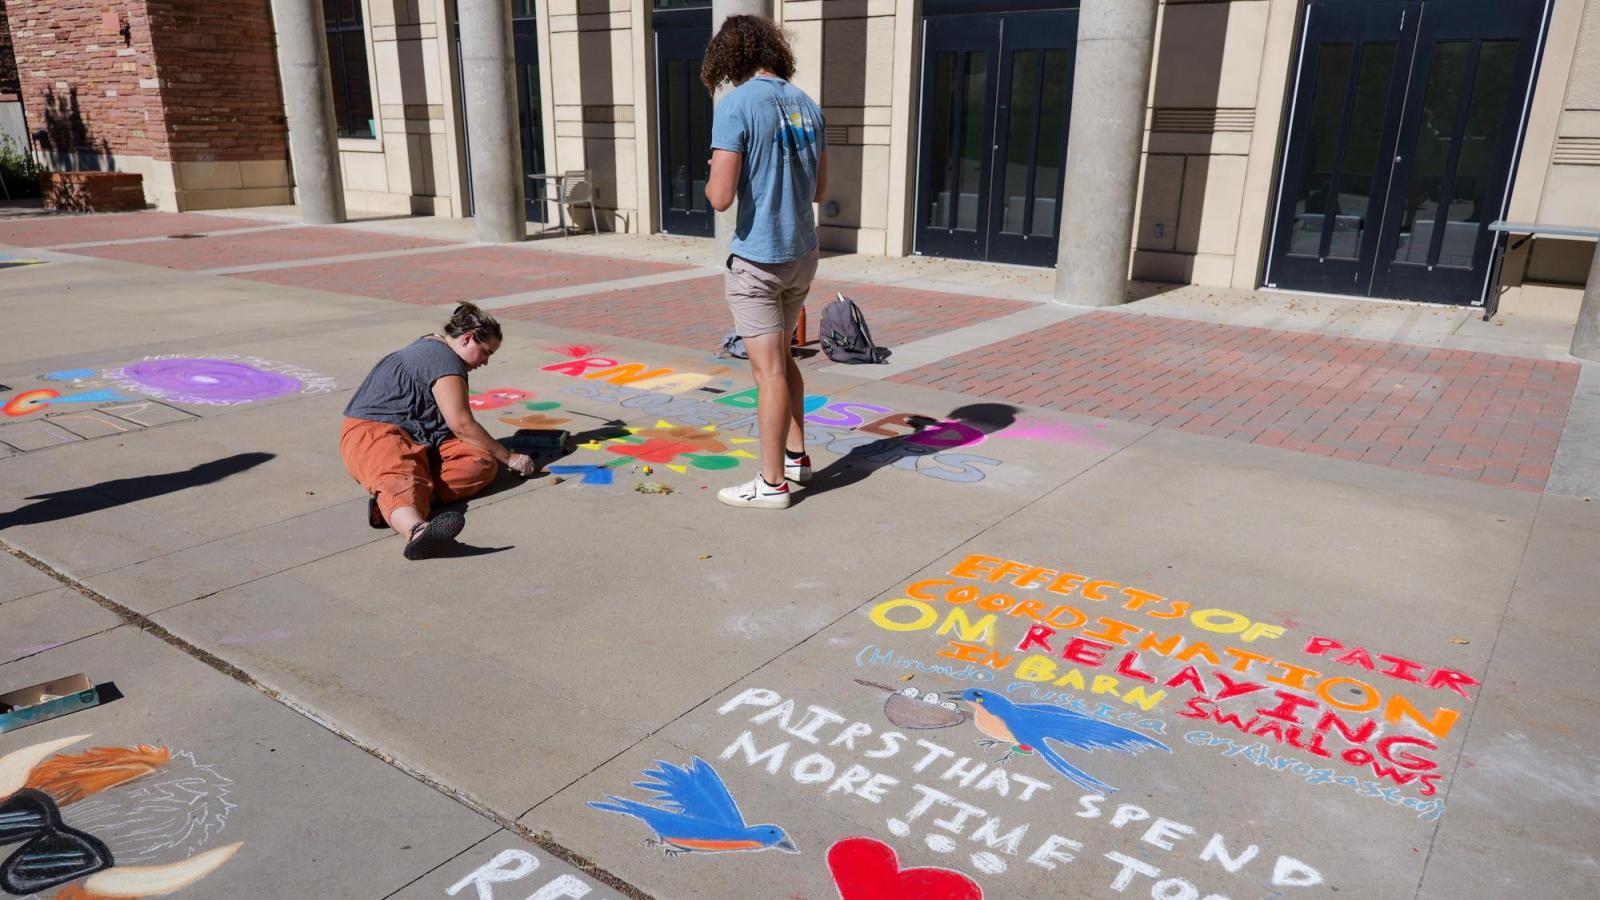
87 78
219 79
179 80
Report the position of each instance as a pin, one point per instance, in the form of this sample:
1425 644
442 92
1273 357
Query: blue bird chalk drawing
692 812
1027 726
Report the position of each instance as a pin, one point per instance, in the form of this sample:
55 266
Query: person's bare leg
795 439
404 518
769 360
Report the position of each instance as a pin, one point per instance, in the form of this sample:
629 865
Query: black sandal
374 514
428 538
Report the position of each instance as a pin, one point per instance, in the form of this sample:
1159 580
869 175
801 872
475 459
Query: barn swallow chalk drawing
693 812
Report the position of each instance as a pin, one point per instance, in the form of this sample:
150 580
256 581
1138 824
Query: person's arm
724 181
822 177
450 393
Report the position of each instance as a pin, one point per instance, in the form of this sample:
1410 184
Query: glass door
1400 145
683 111
1473 65
958 110
1030 146
996 100
1343 128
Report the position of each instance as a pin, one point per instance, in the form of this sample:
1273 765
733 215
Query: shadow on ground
58 505
855 466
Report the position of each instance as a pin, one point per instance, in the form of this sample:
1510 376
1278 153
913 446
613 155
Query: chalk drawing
202 380
596 475
70 375
29 402
92 815
950 802
534 421
496 398
514 865
909 708
867 869
577 351
1027 727
692 812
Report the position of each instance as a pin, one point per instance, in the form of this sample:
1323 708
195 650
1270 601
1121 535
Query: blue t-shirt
779 130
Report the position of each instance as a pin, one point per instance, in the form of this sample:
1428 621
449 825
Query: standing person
768 149
410 439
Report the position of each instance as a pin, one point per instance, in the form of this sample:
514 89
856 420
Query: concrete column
1586 340
1109 90
727 220
490 91
308 105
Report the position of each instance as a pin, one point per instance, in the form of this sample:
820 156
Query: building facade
1353 147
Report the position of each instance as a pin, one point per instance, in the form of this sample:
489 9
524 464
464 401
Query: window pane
1354 197
1054 106
699 138
1491 93
1019 140
347 68
1426 183
969 167
941 135
677 134
358 90
1322 145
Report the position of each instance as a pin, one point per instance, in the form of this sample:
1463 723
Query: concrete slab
230 767
434 704
1523 802
45 621
178 577
18 579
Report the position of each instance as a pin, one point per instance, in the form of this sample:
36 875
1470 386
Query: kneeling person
410 438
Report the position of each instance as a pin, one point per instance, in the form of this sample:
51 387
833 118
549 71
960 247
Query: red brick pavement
452 276
693 313
256 247
47 231
1480 416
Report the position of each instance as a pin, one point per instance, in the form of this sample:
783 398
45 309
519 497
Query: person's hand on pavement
520 463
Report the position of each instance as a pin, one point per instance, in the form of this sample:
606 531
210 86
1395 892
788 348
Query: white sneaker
797 470
756 493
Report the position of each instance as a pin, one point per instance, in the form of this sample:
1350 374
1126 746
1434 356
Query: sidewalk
1306 555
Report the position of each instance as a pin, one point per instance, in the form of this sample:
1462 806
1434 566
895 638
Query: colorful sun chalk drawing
29 402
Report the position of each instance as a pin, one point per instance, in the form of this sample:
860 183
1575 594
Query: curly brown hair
744 46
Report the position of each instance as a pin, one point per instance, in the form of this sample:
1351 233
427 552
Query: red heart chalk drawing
866 869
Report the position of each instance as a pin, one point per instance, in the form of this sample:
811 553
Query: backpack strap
860 321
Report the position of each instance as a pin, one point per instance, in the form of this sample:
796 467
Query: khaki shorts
766 298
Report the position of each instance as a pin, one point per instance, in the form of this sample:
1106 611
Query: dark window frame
345 26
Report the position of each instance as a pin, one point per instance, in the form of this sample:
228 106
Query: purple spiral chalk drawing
210 380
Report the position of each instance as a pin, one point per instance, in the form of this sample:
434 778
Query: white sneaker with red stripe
756 493
797 470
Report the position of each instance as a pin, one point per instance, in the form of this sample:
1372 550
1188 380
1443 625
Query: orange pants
402 472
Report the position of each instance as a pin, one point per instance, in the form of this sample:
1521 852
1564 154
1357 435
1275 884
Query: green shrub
18 168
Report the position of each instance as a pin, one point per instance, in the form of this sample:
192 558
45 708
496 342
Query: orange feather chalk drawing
173 804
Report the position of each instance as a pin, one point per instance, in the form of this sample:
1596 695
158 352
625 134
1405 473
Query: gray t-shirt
399 390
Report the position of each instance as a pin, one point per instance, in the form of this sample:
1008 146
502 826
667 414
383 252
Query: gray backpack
845 336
